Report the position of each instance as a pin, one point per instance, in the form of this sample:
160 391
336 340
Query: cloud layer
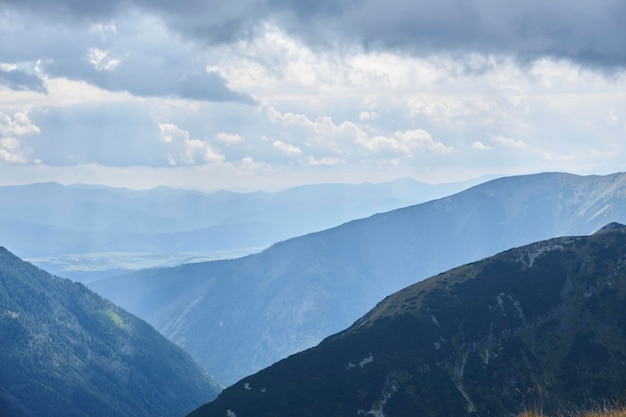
582 31
136 53
312 90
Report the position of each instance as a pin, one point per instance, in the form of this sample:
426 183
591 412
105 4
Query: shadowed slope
540 322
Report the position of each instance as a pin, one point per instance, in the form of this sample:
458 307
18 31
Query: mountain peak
612 227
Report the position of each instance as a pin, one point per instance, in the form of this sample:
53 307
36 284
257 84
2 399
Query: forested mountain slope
67 352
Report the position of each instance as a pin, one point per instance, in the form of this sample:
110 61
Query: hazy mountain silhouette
238 316
48 222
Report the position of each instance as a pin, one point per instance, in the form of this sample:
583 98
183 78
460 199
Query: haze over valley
89 232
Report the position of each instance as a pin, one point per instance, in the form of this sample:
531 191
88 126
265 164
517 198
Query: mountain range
241 315
539 328
86 232
67 352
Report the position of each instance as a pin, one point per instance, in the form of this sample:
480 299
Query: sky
268 94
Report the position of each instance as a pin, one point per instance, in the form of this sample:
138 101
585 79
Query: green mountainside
67 352
540 323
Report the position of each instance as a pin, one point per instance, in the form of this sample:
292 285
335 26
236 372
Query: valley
238 316
90 232
312 208
256 314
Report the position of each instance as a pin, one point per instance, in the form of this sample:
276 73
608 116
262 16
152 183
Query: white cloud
18 125
478 145
286 148
331 143
229 138
508 142
183 150
197 151
326 161
171 133
6 67
275 64
12 149
368 115
249 165
287 119
102 60
404 143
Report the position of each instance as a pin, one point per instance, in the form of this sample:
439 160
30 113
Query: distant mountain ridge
536 328
238 316
67 352
49 222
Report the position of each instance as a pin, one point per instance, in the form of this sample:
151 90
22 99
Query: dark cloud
212 21
132 56
63 10
587 32
208 84
149 76
590 33
21 81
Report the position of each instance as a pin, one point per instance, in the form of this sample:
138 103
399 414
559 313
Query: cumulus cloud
368 115
101 60
12 149
327 142
18 125
508 142
248 164
229 138
286 148
326 161
480 146
404 143
183 150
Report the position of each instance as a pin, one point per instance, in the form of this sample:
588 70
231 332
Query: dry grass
612 413
603 412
